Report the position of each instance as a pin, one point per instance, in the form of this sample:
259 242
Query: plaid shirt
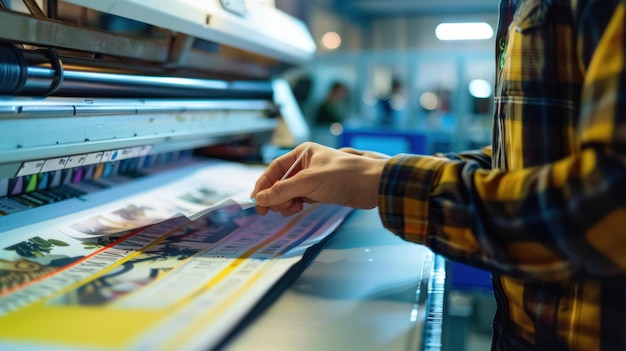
544 208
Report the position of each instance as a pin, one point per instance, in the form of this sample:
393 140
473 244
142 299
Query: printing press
102 100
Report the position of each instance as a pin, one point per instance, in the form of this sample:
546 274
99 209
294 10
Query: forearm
548 222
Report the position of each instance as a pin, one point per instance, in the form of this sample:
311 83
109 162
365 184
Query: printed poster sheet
162 282
206 190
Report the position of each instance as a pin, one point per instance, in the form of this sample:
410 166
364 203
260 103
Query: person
389 106
332 109
543 208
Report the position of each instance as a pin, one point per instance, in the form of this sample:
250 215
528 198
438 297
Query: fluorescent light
464 31
480 88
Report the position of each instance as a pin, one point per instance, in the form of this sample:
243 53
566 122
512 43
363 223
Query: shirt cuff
403 194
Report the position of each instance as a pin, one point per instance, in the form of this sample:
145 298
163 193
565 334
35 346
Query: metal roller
41 73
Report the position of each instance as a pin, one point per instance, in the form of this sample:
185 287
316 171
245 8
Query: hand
324 175
364 153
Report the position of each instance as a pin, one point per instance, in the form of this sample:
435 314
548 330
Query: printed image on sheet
211 189
118 218
179 284
153 262
193 196
38 257
204 196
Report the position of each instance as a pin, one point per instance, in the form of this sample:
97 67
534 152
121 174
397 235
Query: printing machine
121 89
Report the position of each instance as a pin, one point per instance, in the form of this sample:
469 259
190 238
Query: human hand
323 175
365 153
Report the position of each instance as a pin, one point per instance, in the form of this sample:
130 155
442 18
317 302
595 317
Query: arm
563 219
482 156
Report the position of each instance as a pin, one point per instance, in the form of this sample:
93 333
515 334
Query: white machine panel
248 26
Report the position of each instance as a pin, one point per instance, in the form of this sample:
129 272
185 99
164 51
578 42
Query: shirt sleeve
482 156
552 222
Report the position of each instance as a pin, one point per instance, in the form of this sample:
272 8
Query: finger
278 208
280 194
262 183
282 206
296 207
262 210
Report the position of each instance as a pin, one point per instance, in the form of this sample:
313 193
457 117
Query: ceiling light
480 88
464 31
331 40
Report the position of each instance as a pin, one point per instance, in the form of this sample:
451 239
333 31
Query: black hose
13 70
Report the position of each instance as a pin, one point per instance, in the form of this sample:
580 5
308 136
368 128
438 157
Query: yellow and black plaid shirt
545 207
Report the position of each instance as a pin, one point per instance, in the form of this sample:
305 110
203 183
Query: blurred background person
334 108
390 105
331 114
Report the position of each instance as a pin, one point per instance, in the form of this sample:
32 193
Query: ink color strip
123 166
164 158
97 174
131 165
108 169
116 168
78 175
31 182
56 179
44 178
16 186
149 161
88 171
66 176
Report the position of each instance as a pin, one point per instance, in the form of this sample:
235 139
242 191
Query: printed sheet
149 278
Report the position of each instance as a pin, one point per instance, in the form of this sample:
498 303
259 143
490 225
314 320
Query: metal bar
22 28
33 7
36 72
22 108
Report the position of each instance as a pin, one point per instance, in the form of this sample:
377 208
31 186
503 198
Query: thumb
278 193
263 198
